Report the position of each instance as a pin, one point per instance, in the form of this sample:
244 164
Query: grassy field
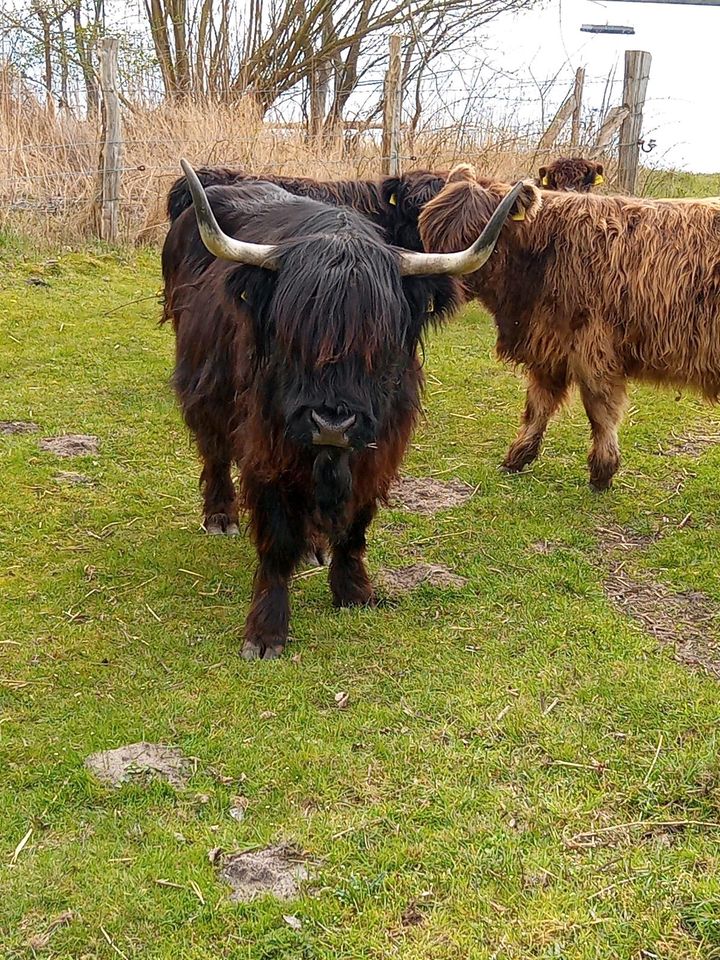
679 183
522 770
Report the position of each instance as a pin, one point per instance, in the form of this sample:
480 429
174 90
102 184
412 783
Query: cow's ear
528 202
389 190
250 290
432 300
543 176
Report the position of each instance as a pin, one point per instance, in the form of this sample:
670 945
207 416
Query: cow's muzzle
331 432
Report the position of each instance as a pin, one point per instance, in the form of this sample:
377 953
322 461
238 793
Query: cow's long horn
219 243
467 261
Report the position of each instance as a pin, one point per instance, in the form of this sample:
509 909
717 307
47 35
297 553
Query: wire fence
51 162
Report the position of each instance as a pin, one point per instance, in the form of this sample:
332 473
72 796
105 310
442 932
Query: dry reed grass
49 159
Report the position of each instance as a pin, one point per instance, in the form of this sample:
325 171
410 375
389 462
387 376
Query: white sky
682 107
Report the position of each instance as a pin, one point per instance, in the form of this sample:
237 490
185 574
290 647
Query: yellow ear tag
520 215
393 200
599 178
544 181
431 305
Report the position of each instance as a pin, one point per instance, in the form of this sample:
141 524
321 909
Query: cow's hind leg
279 528
545 394
349 581
604 404
210 417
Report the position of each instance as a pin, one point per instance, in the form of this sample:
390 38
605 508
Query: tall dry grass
49 160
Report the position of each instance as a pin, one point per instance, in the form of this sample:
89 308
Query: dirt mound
693 444
138 762
275 871
427 496
615 540
10 427
546 547
405 579
71 445
687 620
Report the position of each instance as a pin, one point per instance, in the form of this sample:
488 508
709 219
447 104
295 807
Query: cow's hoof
220 525
258 649
512 467
355 600
600 486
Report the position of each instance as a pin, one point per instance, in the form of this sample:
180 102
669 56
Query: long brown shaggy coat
593 291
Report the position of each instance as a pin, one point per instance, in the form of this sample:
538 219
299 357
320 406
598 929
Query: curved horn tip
186 167
465 261
218 243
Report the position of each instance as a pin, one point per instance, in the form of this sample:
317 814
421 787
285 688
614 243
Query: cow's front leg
349 579
545 393
219 501
278 526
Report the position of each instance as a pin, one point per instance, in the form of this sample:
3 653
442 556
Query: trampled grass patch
512 768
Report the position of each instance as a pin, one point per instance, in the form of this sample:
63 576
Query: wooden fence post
570 107
392 108
637 71
607 131
577 112
111 149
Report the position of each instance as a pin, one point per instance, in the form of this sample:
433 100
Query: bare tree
274 47
322 53
65 33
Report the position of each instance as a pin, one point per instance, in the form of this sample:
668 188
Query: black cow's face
336 328
406 196
326 409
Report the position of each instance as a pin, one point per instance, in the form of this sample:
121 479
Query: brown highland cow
592 291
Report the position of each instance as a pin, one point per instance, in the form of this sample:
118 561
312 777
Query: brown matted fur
592 291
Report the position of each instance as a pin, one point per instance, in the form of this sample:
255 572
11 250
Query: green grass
679 183
439 783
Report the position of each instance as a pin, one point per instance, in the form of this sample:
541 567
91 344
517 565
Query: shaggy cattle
571 174
296 359
592 291
393 203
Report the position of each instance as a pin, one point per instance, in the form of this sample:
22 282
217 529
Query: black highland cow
296 360
393 203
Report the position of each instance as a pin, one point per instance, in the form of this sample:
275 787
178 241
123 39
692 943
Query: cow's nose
331 431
